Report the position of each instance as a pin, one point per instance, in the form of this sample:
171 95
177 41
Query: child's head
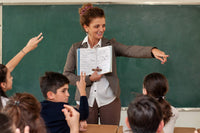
24 109
54 87
156 85
144 115
6 124
5 82
5 78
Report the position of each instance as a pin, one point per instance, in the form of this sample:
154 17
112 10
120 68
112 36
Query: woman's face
96 28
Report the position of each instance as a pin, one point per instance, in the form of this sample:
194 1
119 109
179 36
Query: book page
104 59
86 60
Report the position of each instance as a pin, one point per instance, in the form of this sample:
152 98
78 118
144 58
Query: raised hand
81 85
32 43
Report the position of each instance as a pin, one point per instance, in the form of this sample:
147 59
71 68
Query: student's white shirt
4 100
169 127
100 90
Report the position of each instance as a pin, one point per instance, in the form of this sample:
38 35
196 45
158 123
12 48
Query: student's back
156 85
54 117
144 115
24 109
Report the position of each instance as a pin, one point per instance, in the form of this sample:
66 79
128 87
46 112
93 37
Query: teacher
103 91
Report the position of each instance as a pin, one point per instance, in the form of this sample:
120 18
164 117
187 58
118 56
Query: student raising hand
31 45
72 118
81 85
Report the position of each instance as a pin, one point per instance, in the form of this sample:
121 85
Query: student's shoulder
175 112
53 105
4 100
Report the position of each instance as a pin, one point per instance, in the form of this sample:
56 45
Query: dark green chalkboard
174 29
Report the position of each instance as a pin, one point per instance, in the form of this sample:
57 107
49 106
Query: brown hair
52 81
87 12
24 109
144 114
157 86
6 124
3 74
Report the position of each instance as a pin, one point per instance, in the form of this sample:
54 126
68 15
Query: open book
88 59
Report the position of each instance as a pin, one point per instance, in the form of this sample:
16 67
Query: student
24 109
156 85
54 87
103 91
5 70
72 117
144 115
7 125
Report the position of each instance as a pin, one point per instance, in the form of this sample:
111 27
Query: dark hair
52 81
87 12
3 74
24 109
6 124
144 114
156 86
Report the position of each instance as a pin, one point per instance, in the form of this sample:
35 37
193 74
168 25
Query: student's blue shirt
54 117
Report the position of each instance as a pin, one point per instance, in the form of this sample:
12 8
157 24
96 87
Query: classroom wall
149 2
187 117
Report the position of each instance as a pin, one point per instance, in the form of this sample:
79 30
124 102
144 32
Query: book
89 59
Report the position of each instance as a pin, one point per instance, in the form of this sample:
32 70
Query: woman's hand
160 55
32 43
95 76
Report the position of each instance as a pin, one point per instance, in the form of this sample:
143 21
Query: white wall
187 118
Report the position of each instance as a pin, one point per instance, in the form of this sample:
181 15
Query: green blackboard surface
172 28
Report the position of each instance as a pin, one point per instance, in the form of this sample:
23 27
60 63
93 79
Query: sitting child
54 87
5 70
156 85
145 115
8 126
24 110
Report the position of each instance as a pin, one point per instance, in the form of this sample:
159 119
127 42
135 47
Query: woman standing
103 91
